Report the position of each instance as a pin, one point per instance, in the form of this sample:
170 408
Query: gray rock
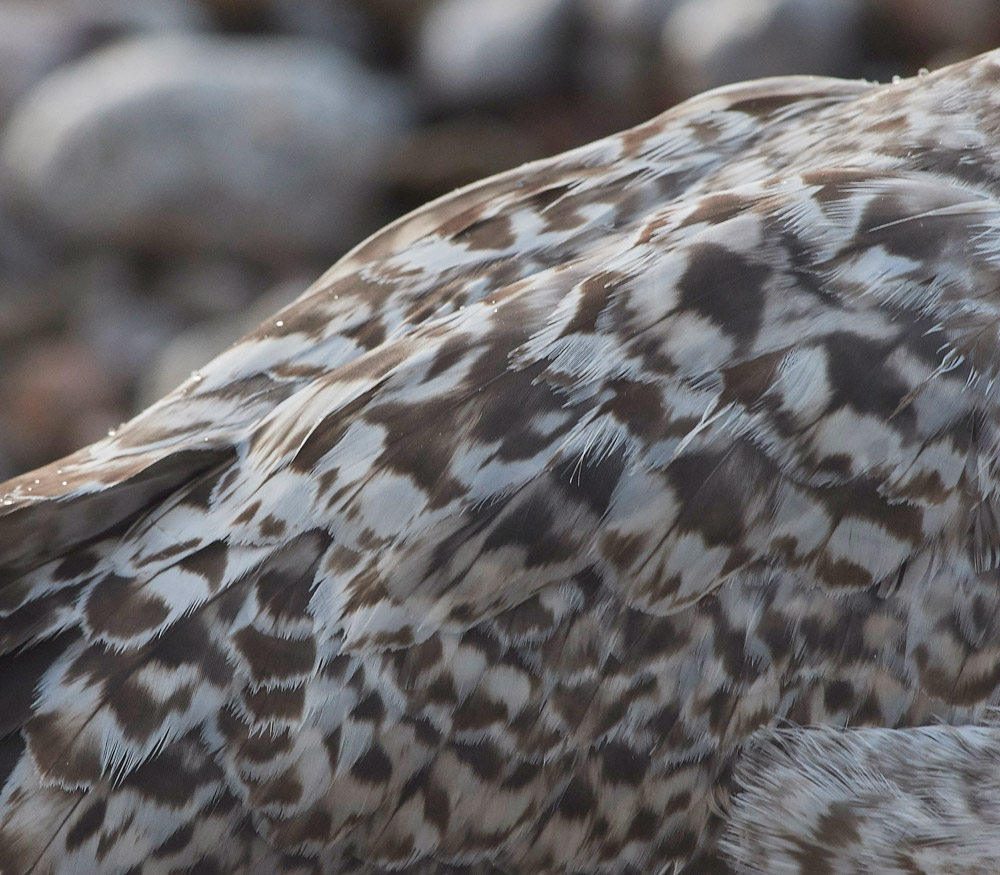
38 35
471 51
713 42
34 38
266 147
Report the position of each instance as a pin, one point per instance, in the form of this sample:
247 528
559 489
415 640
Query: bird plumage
508 546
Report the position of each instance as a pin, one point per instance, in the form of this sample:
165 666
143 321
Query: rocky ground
173 170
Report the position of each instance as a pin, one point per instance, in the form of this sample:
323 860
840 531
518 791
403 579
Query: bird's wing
454 252
632 371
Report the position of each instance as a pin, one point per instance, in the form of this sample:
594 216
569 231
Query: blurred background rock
171 171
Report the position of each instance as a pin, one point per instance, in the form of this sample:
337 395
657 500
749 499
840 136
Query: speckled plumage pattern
492 553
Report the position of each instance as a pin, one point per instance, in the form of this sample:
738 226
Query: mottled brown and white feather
499 549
